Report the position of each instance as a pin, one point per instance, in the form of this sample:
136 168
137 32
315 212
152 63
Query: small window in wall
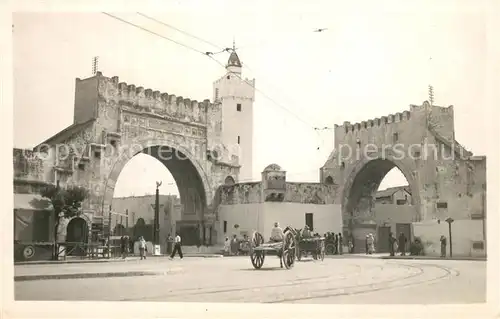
476 216
239 139
81 167
97 154
113 143
395 137
238 107
401 202
478 245
228 77
216 94
225 226
342 165
309 221
442 205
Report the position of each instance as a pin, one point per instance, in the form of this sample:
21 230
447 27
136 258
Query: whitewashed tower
237 96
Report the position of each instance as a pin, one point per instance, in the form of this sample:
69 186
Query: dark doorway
383 239
309 221
119 230
405 229
77 234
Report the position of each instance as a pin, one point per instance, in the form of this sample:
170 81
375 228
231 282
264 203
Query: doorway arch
364 179
77 233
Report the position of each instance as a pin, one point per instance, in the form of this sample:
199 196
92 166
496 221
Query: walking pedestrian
177 246
142 248
443 246
124 246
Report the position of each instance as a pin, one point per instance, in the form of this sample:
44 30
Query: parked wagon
315 246
285 250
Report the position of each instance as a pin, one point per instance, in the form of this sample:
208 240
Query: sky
371 61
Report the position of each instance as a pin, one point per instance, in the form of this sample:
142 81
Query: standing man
177 246
392 241
443 246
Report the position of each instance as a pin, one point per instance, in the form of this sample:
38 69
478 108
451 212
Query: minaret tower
237 96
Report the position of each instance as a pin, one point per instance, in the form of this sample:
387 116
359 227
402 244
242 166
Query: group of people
400 244
126 246
337 242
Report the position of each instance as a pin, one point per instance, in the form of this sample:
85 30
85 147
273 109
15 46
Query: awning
31 202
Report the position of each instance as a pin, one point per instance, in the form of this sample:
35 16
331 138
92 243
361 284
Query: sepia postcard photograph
190 159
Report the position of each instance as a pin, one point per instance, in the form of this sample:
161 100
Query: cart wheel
257 258
330 249
288 251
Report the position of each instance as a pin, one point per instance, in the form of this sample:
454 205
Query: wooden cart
285 250
315 246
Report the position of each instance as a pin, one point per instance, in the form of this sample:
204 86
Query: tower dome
234 60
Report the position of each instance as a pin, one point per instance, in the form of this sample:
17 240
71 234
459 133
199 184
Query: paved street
335 280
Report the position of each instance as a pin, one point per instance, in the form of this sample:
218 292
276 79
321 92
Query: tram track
385 285
261 288
298 282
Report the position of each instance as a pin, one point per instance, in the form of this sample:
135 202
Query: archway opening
380 201
182 199
77 233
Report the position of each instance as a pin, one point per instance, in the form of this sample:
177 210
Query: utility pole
450 220
431 94
95 65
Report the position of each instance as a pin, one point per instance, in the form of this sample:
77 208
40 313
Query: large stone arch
192 169
364 176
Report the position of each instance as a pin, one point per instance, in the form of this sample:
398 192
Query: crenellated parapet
111 90
376 122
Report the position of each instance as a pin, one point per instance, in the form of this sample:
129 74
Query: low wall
261 217
326 218
464 233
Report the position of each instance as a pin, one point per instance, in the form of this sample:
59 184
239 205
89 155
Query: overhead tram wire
210 54
154 33
211 57
181 31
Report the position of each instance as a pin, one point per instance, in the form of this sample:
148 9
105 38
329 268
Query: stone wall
310 193
28 165
113 122
244 193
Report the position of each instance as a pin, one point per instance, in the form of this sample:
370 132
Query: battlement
376 122
393 118
154 100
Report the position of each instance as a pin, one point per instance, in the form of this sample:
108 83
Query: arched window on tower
229 181
329 180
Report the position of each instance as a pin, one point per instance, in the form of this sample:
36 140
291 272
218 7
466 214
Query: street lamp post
450 220
156 232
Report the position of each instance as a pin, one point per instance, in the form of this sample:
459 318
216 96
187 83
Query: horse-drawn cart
311 245
285 250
